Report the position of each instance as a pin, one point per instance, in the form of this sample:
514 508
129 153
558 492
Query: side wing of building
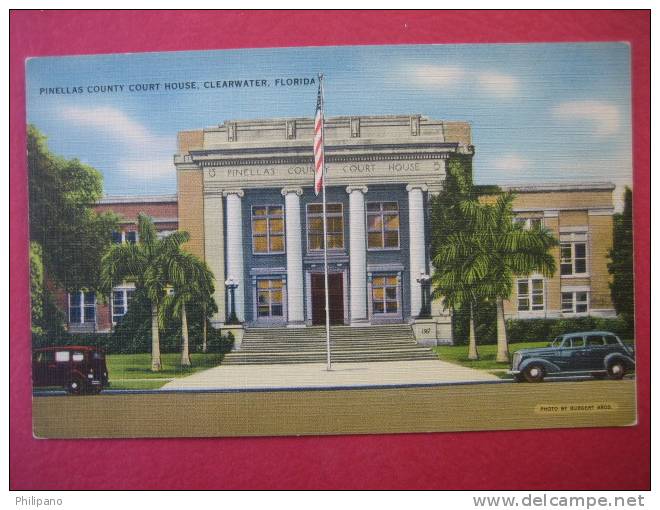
581 217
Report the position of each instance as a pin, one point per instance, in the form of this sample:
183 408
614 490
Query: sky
539 112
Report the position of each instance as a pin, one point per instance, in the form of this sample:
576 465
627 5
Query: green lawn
459 354
122 368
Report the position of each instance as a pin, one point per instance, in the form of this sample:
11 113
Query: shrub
529 330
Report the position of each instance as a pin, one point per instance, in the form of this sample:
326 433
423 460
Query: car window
595 340
62 356
78 357
611 340
98 355
577 341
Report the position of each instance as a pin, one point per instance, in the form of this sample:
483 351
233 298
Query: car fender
547 365
617 356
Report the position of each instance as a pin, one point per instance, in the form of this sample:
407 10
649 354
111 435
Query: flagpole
325 234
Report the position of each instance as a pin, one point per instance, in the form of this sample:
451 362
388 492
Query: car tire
76 386
616 370
534 373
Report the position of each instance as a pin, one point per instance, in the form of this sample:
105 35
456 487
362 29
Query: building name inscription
402 169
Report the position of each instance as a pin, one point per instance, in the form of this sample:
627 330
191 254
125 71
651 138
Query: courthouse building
245 191
245 194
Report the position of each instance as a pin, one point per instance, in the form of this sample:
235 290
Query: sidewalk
315 375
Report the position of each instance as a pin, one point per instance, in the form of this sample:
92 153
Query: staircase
348 345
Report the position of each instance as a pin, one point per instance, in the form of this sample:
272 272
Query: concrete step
348 344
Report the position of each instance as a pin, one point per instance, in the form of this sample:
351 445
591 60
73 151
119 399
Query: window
384 294
595 340
611 340
270 298
62 356
335 219
44 357
121 298
530 295
574 302
575 342
573 258
124 237
78 357
82 307
382 225
267 229
529 223
162 234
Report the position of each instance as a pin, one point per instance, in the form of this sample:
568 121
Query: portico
262 224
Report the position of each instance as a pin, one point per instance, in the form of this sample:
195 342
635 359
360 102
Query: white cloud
440 77
144 155
498 84
604 116
512 163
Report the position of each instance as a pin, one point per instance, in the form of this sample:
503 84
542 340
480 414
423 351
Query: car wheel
616 370
534 373
76 386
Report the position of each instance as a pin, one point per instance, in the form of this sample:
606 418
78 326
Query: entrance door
335 298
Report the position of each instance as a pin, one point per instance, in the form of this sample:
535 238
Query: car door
596 350
62 368
575 356
569 353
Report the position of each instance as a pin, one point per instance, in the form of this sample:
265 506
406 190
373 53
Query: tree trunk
502 344
185 349
155 340
473 354
204 326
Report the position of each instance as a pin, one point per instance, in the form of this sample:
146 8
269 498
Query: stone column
417 243
358 254
294 265
235 248
214 249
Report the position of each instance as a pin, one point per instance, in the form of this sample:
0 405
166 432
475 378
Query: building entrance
335 298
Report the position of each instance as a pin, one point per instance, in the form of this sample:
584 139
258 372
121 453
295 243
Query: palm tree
146 263
191 281
460 270
505 250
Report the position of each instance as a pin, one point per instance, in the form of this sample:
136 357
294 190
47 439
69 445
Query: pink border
614 458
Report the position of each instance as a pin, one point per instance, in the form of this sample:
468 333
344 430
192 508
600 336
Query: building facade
85 312
245 195
580 216
245 191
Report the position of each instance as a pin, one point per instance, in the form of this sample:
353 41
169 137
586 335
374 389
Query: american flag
319 158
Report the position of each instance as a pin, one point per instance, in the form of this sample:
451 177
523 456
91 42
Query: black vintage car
599 353
79 369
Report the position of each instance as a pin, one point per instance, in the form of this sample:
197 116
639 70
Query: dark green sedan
596 353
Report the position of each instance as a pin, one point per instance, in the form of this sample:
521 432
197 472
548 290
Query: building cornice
137 199
560 186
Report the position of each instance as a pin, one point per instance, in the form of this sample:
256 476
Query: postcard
331 240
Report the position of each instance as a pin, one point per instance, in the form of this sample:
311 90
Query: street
496 405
